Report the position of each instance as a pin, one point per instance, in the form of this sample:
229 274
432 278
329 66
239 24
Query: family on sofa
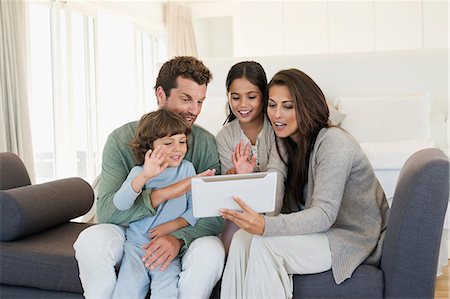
331 212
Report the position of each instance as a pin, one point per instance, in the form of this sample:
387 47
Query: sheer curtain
15 133
181 38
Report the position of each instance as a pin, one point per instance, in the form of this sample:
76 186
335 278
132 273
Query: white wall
350 47
149 14
263 28
383 73
214 36
358 48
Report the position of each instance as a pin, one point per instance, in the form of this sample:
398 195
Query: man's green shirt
117 162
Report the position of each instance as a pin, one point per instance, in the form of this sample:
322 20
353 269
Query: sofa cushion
30 209
45 260
14 172
15 292
366 282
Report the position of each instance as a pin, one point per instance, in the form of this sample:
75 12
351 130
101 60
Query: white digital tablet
257 190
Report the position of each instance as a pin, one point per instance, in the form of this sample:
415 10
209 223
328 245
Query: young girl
159 147
336 209
248 129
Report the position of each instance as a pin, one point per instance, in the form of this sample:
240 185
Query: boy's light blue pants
135 279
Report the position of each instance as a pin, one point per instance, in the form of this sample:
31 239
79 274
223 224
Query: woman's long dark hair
255 74
312 115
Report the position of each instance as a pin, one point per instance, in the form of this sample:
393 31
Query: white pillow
386 119
336 116
392 155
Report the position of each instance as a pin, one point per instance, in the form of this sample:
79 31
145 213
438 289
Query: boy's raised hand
208 172
154 162
240 158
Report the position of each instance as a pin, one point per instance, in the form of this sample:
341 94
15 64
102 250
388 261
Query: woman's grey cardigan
268 159
344 200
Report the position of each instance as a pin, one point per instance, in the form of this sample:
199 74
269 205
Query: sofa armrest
14 173
30 209
411 247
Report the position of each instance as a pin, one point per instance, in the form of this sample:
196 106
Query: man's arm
160 251
204 155
116 163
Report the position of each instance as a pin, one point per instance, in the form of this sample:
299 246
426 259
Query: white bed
390 130
393 100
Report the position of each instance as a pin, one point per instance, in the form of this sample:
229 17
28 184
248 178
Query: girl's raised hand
240 158
154 162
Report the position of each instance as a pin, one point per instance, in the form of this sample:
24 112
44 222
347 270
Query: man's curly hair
155 125
187 67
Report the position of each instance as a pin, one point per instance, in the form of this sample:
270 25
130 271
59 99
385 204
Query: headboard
380 74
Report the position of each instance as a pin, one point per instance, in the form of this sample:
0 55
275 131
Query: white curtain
181 38
15 132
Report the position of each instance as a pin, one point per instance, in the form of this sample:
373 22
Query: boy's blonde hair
155 125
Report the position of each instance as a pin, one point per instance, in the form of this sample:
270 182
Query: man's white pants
262 267
99 249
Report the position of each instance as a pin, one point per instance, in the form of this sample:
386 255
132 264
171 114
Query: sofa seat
16 292
45 260
37 259
366 282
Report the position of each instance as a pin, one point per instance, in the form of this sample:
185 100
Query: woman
334 210
247 128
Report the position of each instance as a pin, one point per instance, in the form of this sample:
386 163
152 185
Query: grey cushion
45 260
30 209
13 292
12 172
411 247
366 282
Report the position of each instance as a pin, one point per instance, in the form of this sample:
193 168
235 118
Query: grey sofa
36 235
38 260
411 248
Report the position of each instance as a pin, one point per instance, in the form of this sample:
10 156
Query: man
180 87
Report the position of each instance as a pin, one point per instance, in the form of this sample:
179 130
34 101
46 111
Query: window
41 96
91 71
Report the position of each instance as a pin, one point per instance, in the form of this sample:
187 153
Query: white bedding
388 158
386 119
392 155
388 179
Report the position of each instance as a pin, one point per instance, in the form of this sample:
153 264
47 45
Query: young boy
159 146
